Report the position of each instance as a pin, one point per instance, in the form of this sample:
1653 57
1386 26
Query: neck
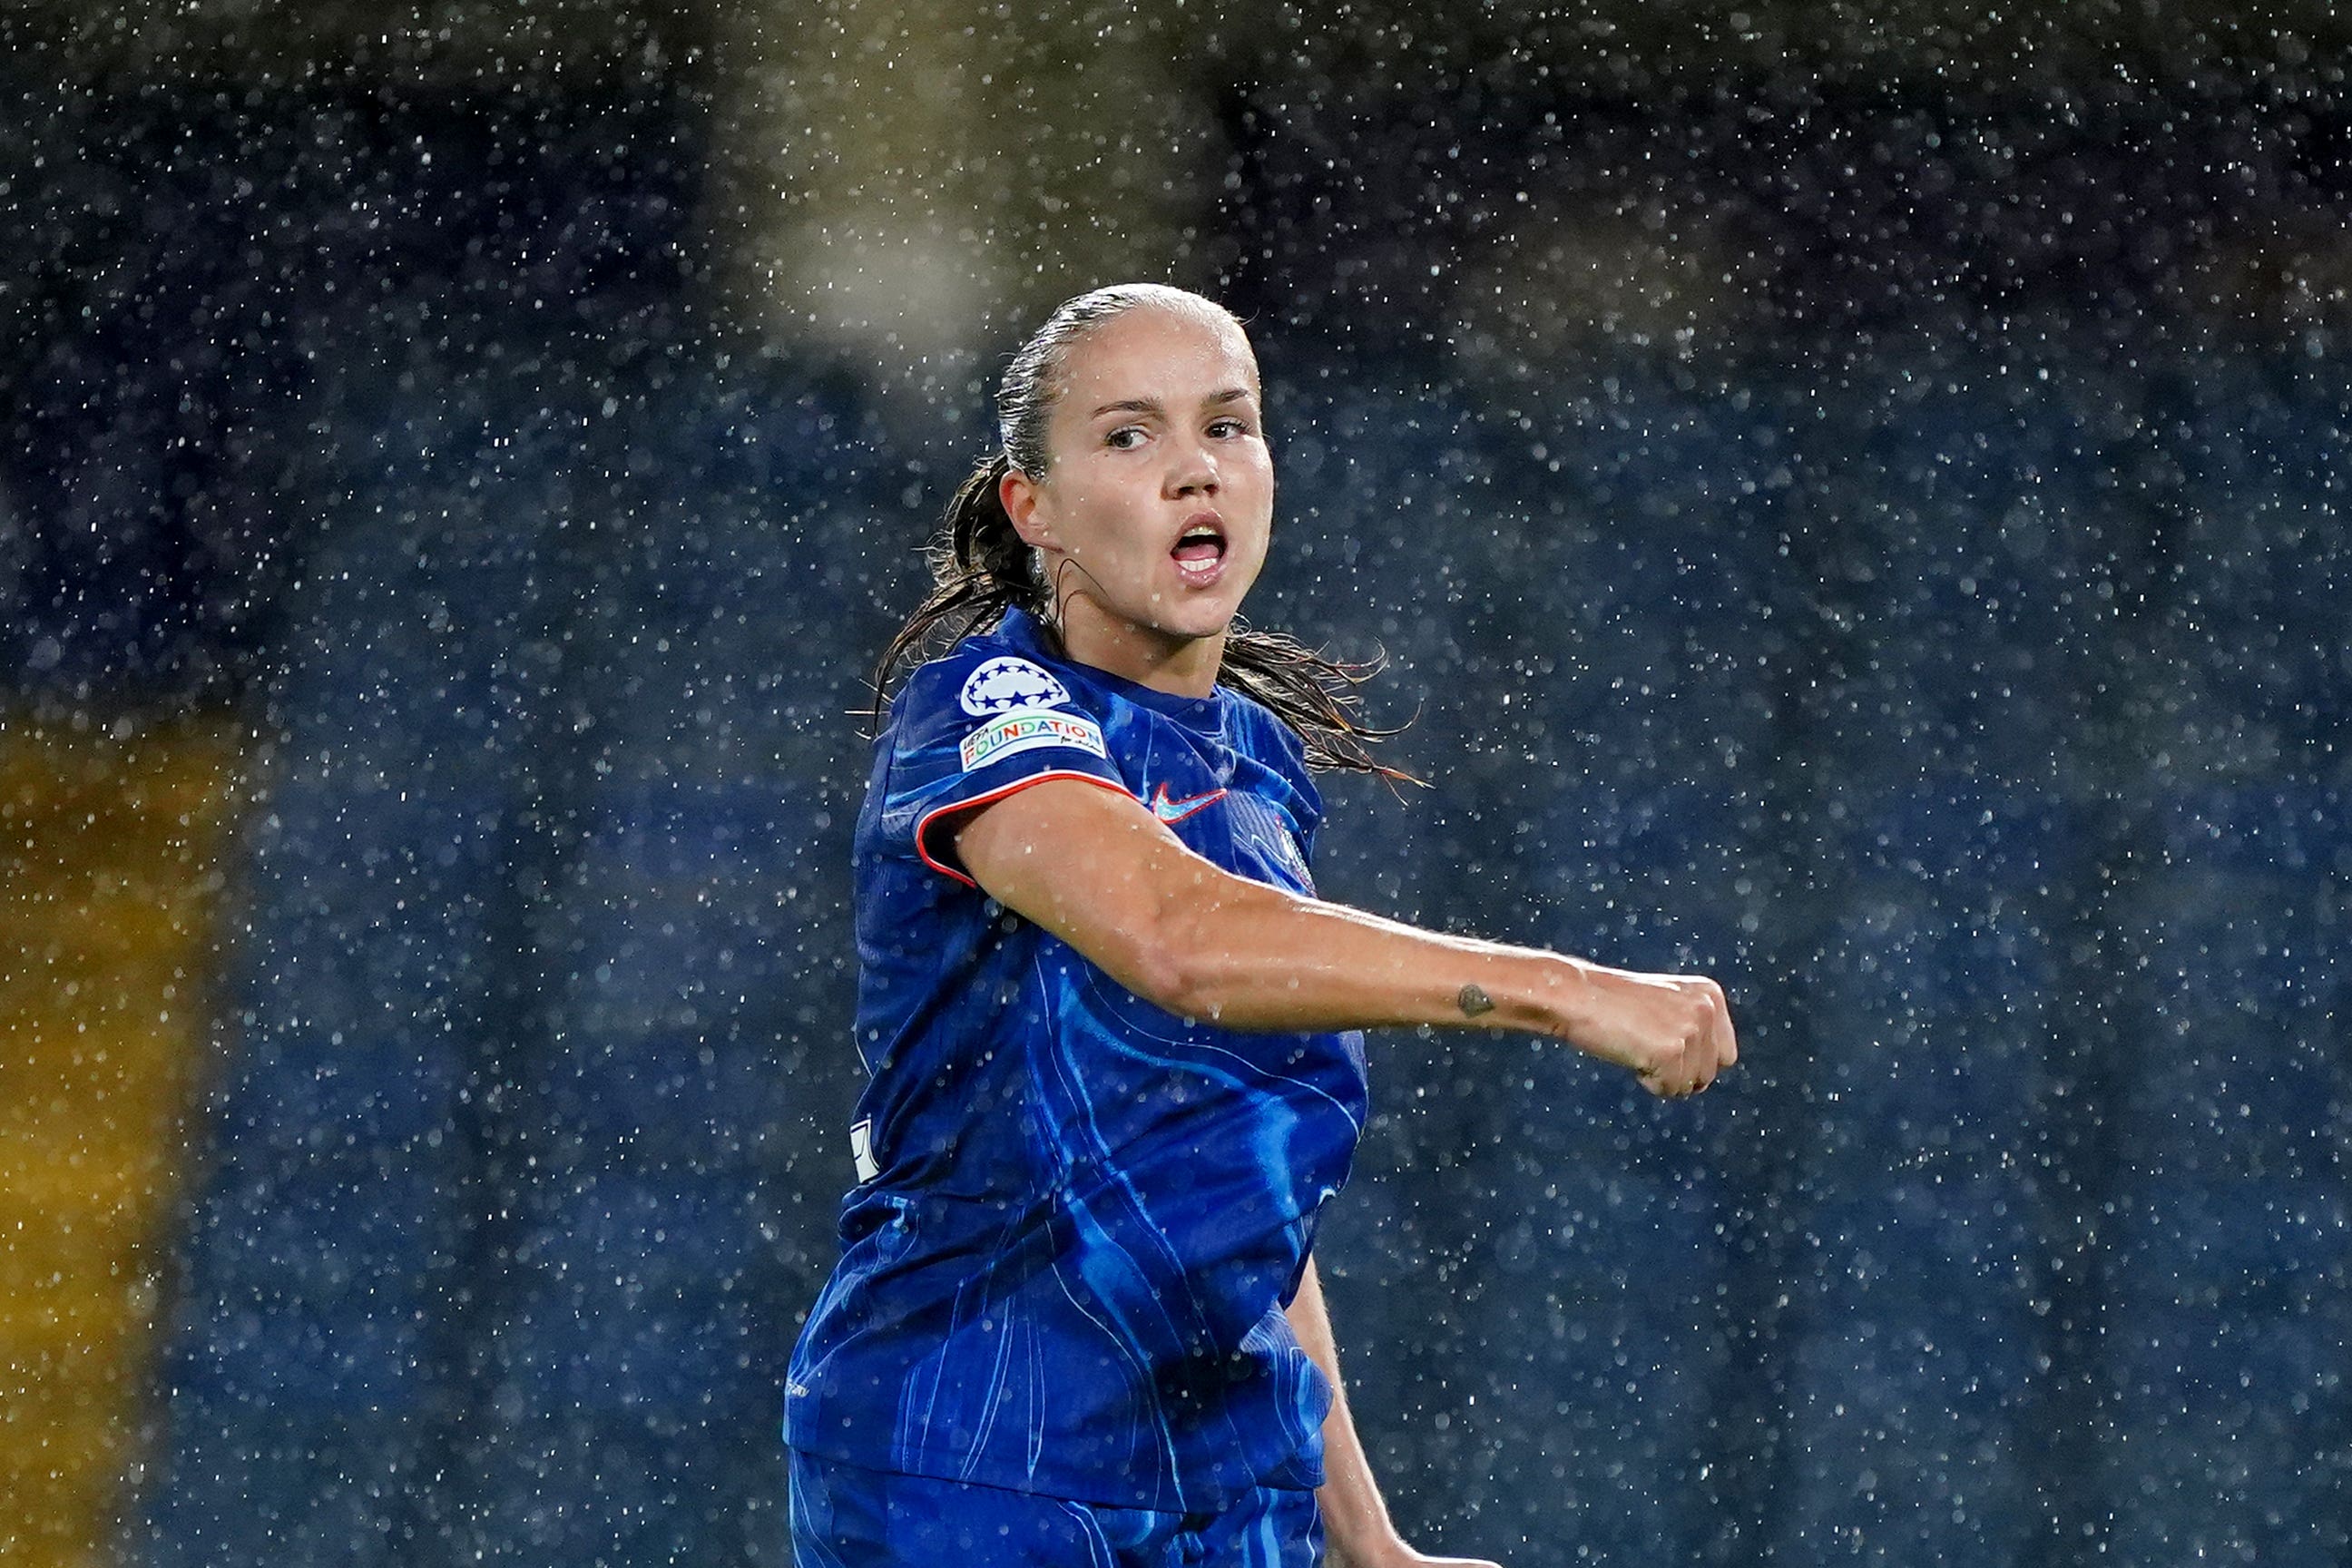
1179 665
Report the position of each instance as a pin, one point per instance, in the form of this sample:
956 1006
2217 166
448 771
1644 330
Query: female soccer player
1110 1028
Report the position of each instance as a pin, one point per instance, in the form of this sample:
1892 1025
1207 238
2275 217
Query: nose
1192 470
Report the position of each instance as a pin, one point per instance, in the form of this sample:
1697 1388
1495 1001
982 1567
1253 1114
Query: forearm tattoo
1473 1000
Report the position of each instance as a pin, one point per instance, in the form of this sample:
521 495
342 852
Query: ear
1019 495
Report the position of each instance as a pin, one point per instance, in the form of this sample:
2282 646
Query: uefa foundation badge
1026 729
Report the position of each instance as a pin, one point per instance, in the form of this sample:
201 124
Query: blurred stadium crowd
1857 506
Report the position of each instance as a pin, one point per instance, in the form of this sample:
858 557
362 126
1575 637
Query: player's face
1154 513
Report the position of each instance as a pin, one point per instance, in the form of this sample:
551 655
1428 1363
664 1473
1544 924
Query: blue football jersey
1078 1216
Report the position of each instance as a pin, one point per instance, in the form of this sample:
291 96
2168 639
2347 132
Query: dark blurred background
1852 501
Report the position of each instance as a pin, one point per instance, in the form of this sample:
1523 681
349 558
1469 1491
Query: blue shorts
845 1517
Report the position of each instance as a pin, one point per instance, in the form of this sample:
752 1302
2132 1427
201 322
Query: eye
1228 428
1125 438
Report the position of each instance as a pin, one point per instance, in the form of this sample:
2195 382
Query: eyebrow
1147 406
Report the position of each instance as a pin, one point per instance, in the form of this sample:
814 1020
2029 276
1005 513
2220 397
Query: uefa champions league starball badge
1001 685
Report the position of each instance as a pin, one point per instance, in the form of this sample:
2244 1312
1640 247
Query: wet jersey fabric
845 1517
1078 1215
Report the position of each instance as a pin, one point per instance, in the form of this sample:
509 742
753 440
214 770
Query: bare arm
1099 871
1354 1517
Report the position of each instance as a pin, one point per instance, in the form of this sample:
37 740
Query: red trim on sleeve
923 825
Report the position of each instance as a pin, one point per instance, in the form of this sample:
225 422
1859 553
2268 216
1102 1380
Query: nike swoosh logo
1168 810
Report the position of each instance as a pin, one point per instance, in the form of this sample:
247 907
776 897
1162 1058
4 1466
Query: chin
1212 623
1174 637
1186 622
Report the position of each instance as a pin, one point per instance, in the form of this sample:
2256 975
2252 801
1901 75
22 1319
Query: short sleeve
975 727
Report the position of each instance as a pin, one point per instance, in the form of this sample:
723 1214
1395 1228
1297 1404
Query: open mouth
1200 550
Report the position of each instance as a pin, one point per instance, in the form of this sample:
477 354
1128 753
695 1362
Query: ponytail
979 569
